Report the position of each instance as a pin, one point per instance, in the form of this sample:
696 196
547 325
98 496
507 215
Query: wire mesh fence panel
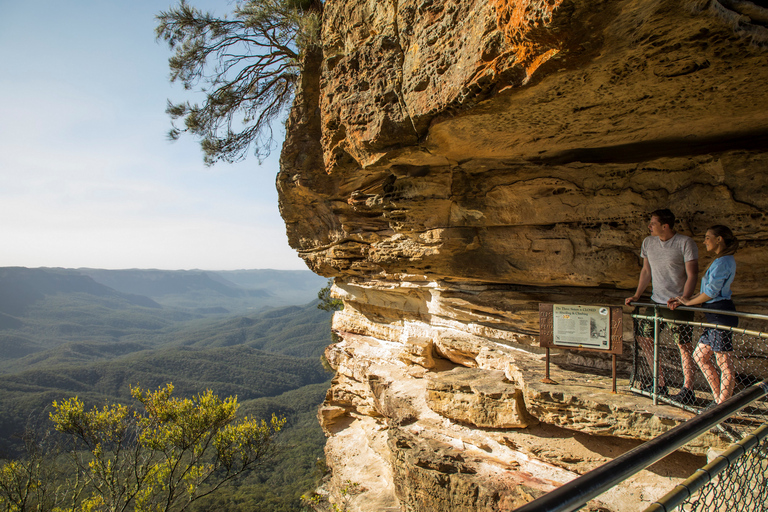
742 486
700 364
719 374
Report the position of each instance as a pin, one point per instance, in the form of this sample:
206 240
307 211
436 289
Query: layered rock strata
490 437
455 164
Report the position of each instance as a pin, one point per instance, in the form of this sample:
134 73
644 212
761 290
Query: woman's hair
731 242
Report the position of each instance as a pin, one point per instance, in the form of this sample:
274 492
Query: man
671 263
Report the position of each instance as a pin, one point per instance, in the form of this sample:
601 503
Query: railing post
656 320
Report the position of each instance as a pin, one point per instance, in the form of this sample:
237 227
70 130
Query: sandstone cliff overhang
524 142
455 163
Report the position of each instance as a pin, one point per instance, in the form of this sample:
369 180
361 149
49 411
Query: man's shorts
682 334
719 341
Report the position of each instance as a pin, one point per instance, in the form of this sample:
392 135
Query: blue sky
88 177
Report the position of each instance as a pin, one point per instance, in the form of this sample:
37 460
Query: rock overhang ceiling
524 142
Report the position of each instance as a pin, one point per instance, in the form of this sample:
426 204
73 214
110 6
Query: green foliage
246 66
320 503
70 342
237 370
269 488
328 303
33 483
279 487
164 457
19 483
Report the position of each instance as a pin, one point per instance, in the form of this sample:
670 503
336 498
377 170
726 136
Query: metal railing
660 374
737 479
576 493
734 480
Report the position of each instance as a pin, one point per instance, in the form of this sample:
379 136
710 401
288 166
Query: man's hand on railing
630 299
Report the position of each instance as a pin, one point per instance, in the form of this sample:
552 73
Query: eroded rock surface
483 398
393 432
454 164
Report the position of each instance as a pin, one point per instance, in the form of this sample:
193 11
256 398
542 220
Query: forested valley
257 335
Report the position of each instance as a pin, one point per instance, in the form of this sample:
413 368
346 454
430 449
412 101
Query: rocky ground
490 436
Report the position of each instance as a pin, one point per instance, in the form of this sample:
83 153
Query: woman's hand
673 303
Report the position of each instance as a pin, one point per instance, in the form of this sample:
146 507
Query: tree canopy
246 67
160 458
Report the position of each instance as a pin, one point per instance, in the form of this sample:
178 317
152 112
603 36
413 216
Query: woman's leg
703 357
727 377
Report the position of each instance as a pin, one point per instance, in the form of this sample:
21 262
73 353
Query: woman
715 293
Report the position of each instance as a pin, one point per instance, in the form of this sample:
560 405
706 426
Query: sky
88 177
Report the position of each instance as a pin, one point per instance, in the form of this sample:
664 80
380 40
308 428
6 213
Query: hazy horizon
88 177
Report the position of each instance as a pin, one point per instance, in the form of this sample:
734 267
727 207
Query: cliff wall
455 164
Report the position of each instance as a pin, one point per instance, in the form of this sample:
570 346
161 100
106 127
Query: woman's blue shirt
716 282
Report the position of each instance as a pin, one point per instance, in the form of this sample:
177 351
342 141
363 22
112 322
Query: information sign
581 326
575 327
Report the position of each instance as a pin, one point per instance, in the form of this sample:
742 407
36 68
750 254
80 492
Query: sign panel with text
581 326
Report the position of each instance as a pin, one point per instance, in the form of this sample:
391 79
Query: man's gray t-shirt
667 260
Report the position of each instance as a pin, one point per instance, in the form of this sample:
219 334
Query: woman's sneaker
685 397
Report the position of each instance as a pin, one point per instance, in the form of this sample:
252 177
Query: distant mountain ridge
198 291
159 283
248 288
21 286
43 308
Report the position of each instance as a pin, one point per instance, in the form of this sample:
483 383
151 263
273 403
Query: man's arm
643 281
692 273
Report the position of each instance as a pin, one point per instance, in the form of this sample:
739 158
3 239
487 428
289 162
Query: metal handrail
576 493
656 318
740 314
737 330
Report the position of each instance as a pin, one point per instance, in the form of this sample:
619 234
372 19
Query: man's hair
665 216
